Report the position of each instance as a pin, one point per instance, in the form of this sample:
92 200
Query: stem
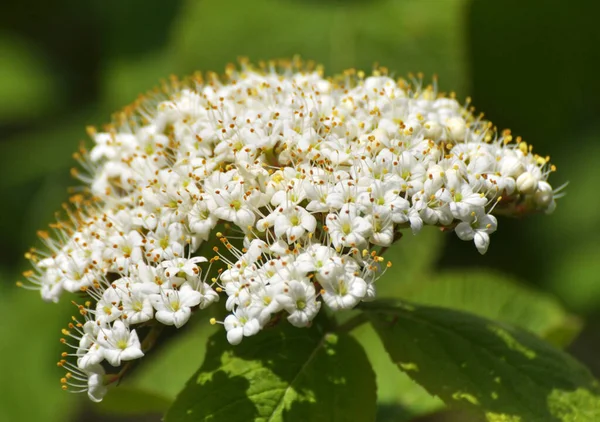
353 323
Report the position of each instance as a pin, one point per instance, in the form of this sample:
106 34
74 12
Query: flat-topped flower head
303 180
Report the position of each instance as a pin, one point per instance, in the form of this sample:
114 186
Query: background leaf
27 89
472 362
282 374
19 357
498 297
133 401
414 260
165 371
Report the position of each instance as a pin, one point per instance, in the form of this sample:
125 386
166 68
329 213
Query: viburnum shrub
302 182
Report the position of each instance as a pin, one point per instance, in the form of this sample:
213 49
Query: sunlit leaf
284 373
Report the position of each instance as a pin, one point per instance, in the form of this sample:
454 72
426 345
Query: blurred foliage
529 65
28 91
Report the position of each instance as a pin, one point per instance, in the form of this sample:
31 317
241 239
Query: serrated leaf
471 362
501 298
284 373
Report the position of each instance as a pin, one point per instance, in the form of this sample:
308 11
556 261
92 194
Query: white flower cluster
314 177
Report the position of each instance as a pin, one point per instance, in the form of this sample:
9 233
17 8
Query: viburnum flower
313 177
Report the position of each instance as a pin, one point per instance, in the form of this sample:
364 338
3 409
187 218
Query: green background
529 65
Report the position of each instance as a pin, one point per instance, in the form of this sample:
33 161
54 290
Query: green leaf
413 261
475 363
132 401
395 389
575 276
166 372
498 297
284 373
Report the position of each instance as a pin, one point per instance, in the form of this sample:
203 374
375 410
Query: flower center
346 228
236 204
164 242
342 289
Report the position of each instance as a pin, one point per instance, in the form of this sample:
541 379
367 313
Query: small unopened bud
527 183
456 128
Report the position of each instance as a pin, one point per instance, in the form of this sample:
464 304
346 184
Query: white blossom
304 181
119 343
174 307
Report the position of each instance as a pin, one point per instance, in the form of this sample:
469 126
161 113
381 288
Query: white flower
478 230
94 354
232 205
347 228
166 242
464 202
240 324
137 307
314 180
299 301
382 230
207 295
127 247
176 266
343 290
96 388
201 221
173 307
293 222
119 343
108 308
